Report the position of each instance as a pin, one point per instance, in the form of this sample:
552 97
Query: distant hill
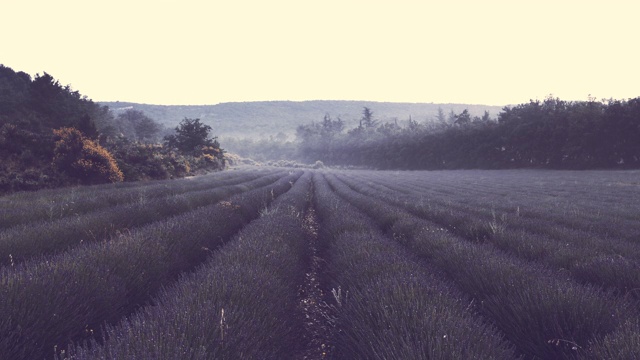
264 118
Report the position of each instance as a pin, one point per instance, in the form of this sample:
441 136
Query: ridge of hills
260 119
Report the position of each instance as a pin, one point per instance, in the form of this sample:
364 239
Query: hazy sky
206 52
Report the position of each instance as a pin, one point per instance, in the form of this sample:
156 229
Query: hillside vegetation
51 136
261 119
552 134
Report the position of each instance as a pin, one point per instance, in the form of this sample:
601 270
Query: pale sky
207 52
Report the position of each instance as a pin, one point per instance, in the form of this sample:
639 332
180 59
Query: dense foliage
540 134
82 158
51 136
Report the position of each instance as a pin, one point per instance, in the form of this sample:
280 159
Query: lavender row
241 304
579 221
608 262
22 243
390 305
521 210
68 297
539 310
592 202
80 200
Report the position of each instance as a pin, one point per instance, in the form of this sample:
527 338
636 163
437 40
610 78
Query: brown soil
318 317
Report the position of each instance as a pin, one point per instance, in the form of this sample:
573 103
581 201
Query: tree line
51 135
552 133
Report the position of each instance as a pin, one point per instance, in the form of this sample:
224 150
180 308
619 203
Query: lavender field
268 263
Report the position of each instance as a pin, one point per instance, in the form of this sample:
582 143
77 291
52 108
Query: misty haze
325 229
331 180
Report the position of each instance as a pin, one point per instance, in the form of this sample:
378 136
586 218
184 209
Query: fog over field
260 120
330 180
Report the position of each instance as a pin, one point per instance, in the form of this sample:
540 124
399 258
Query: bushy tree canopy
136 125
546 134
191 137
52 136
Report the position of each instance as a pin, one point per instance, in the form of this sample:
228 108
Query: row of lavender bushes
390 304
48 205
47 303
541 311
241 304
603 252
49 237
414 266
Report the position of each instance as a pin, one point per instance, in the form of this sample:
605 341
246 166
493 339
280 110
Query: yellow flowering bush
84 159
